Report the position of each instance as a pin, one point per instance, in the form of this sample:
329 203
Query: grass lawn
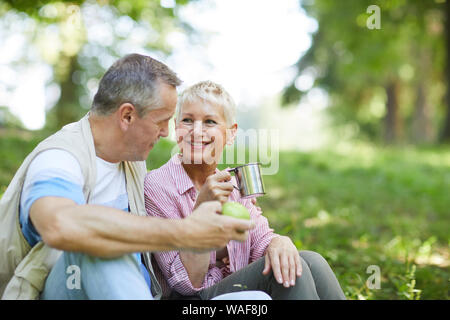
360 206
369 206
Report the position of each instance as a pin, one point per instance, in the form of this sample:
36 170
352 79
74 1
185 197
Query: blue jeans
80 277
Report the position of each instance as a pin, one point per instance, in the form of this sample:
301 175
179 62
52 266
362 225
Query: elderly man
66 231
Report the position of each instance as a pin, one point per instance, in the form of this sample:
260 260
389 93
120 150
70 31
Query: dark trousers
316 282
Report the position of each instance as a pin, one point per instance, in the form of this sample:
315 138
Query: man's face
146 131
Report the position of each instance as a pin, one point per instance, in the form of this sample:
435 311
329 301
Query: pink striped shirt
170 193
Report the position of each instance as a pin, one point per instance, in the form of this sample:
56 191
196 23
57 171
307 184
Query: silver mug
249 180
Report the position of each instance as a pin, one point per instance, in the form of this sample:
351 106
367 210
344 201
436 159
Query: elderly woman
267 262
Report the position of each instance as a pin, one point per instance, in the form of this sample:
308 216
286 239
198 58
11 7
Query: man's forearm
103 231
108 232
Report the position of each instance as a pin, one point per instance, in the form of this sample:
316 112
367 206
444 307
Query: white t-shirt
57 173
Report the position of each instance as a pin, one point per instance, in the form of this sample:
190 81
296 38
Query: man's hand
108 232
283 258
210 230
217 187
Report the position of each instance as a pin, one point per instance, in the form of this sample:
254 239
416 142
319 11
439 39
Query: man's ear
231 134
126 114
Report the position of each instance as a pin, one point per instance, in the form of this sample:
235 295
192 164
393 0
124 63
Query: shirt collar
183 182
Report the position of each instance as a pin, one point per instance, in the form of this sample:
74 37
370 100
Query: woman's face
202 132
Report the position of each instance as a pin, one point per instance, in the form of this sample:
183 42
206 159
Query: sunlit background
249 47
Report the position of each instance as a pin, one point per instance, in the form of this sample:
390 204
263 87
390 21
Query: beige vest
23 269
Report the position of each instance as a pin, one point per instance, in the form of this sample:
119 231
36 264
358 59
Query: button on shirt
170 193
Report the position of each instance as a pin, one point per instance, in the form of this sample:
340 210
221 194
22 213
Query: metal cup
249 180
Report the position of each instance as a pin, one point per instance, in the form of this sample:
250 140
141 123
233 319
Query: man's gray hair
134 79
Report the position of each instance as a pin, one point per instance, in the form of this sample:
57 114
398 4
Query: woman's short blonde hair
208 91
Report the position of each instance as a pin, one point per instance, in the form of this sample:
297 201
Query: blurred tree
445 136
8 120
66 40
377 76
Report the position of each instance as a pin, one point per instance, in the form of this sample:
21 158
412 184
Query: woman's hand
217 187
196 265
283 258
254 203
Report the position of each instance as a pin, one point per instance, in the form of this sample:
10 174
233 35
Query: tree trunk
67 109
421 125
392 119
445 135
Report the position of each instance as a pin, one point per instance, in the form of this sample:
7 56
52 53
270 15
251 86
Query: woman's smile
199 144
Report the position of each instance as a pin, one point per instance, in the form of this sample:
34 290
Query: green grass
369 206
365 205
358 206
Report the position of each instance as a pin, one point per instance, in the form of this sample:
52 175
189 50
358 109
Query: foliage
61 32
14 147
8 120
356 65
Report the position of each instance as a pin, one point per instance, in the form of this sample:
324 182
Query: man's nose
164 132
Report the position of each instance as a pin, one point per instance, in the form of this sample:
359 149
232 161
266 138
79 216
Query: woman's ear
231 134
